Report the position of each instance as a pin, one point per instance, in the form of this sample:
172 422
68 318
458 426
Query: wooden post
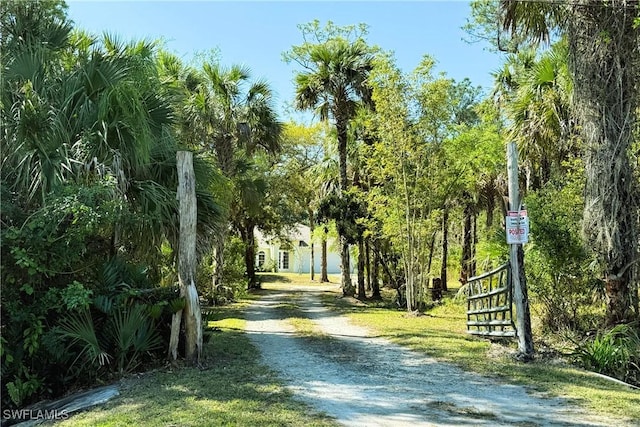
175 334
187 256
516 255
312 260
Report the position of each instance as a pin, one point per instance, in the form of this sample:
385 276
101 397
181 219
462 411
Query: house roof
300 235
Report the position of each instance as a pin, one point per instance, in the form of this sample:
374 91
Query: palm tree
35 140
333 85
224 117
247 209
538 91
323 178
603 60
84 109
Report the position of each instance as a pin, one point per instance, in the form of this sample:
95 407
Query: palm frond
133 333
79 329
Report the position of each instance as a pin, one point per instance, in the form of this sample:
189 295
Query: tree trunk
174 339
604 57
218 258
224 150
490 207
312 261
432 245
516 259
341 127
375 281
474 241
367 251
187 256
361 261
248 238
465 265
445 248
347 287
324 277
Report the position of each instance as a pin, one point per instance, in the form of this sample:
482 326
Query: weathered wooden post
312 259
516 255
187 257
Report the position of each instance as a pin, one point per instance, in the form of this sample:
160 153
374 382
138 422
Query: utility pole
516 256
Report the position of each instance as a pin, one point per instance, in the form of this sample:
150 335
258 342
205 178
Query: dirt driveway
368 381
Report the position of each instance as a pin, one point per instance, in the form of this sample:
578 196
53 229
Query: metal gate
489 304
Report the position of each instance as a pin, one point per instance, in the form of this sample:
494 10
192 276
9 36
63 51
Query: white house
294 254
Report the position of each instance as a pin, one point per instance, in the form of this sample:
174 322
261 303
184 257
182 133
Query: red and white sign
517 227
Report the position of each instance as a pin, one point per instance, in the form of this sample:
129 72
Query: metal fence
489 304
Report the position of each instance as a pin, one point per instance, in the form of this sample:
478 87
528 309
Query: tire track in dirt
368 381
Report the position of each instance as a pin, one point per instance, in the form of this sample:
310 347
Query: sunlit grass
281 280
234 388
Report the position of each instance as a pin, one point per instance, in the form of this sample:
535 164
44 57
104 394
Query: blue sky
256 33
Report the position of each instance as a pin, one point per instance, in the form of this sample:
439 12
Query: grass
441 333
233 389
279 279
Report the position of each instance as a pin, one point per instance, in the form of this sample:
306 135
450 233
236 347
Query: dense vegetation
407 168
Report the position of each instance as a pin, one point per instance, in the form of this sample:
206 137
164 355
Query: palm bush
615 352
125 337
80 332
133 332
88 171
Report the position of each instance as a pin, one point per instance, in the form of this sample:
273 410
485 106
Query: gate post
516 256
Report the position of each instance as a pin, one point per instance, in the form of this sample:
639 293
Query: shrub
48 259
234 271
615 352
557 263
116 343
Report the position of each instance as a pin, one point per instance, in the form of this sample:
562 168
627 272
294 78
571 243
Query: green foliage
76 297
557 262
177 304
80 331
19 390
345 211
235 283
123 338
234 270
32 334
88 171
133 332
492 250
615 352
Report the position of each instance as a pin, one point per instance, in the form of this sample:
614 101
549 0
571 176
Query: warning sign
517 227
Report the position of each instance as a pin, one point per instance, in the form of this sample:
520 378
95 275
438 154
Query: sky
256 33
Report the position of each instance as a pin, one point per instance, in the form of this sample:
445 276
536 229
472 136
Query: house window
261 258
284 260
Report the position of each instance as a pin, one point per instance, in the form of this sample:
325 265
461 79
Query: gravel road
363 380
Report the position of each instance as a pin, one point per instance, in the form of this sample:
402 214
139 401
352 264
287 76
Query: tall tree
534 92
85 110
303 152
603 60
230 115
333 83
324 178
402 201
